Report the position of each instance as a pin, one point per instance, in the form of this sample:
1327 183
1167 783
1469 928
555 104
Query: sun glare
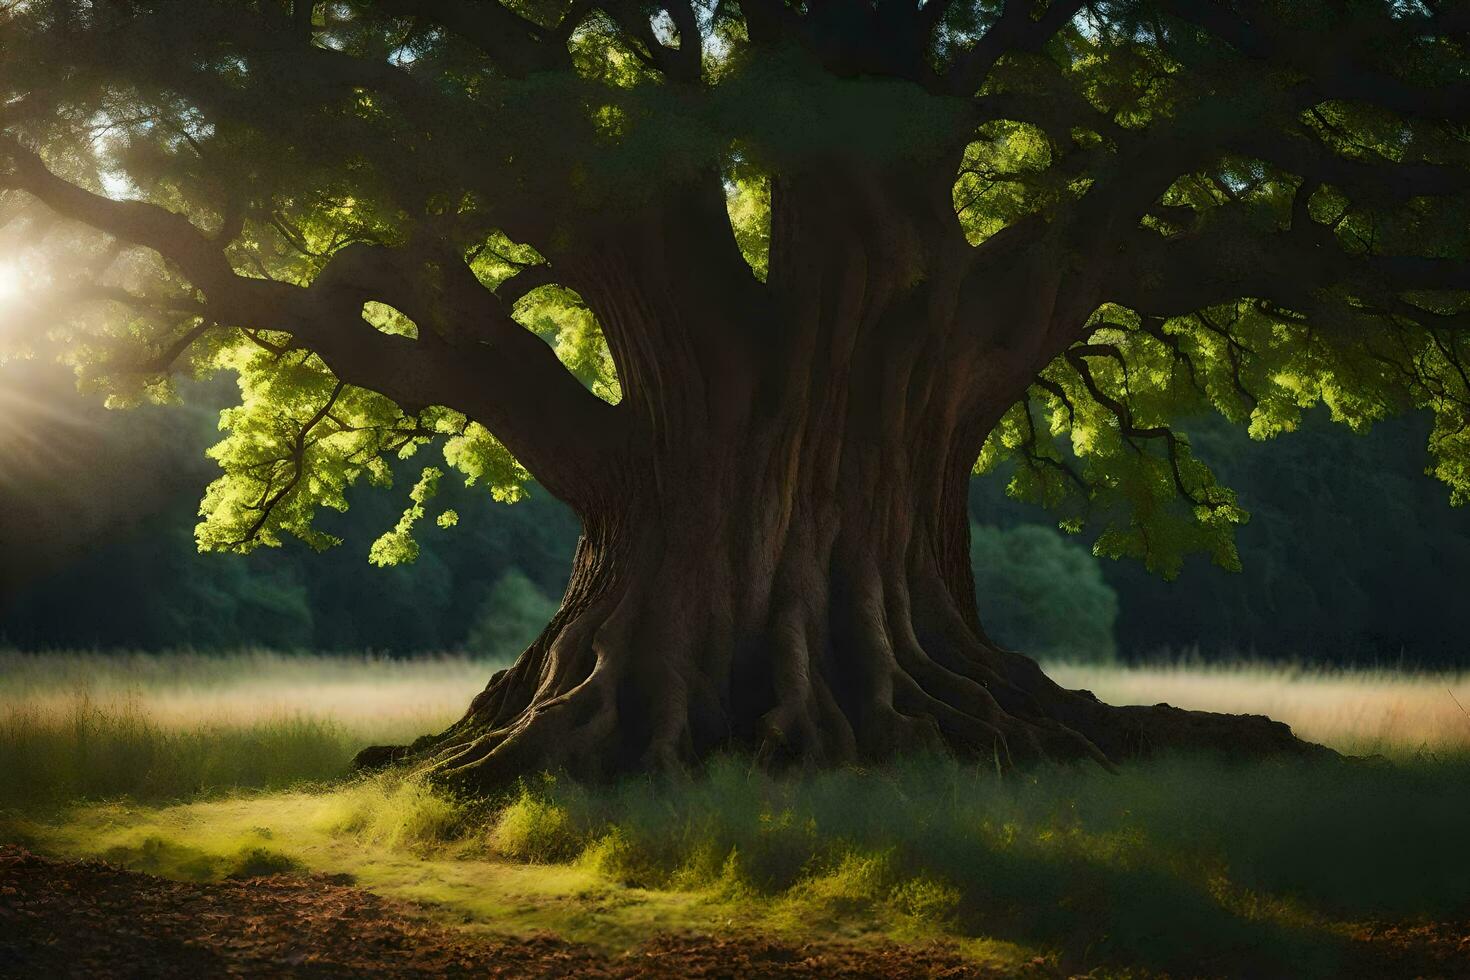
15 285
10 280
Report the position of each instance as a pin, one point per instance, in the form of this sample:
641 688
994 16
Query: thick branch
518 46
289 80
1015 30
1241 115
1335 62
1230 259
523 283
1380 180
506 378
683 63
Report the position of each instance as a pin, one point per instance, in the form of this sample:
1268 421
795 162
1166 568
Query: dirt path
91 919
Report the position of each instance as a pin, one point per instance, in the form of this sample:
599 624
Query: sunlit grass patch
533 829
160 855
447 870
1177 865
396 812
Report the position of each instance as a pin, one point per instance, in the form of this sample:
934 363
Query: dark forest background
1352 555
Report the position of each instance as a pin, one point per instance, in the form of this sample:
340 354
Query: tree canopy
77 525
402 224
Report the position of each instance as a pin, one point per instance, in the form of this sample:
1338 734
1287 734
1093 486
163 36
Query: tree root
578 732
623 684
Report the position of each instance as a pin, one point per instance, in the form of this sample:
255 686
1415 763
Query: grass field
202 767
1361 711
157 727
170 726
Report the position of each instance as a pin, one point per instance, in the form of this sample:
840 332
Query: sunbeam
41 430
10 281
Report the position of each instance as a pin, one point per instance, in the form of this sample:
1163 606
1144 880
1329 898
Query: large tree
754 287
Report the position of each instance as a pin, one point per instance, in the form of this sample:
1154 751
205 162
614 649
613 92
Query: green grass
1180 865
161 727
215 767
97 751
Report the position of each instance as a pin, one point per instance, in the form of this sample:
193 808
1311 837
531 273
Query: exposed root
840 673
1142 731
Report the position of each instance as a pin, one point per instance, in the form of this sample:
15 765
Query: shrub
1042 593
532 829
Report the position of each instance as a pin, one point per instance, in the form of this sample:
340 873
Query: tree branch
1077 358
297 458
1232 259
502 376
1015 30
1336 62
519 47
1378 181
523 283
288 80
684 63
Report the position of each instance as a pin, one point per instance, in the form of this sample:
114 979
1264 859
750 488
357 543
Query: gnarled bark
775 550
779 562
801 593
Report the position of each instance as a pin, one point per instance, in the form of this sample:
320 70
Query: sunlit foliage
290 134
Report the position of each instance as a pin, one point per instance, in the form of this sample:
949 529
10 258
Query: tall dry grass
88 725
1178 864
367 696
1355 710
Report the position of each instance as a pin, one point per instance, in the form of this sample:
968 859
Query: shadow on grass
1186 865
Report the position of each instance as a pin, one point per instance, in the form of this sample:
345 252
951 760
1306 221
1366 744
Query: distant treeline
1352 555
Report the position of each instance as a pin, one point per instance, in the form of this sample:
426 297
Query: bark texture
779 563
775 552
807 633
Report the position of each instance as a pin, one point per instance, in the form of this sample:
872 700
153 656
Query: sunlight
11 281
44 430
21 304
14 284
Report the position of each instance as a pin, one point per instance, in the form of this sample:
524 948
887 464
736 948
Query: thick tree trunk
779 563
805 597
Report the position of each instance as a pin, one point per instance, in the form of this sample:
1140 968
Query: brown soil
91 919
1410 949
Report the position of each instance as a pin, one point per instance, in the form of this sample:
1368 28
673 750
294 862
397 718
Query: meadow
159 727
209 766
155 727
